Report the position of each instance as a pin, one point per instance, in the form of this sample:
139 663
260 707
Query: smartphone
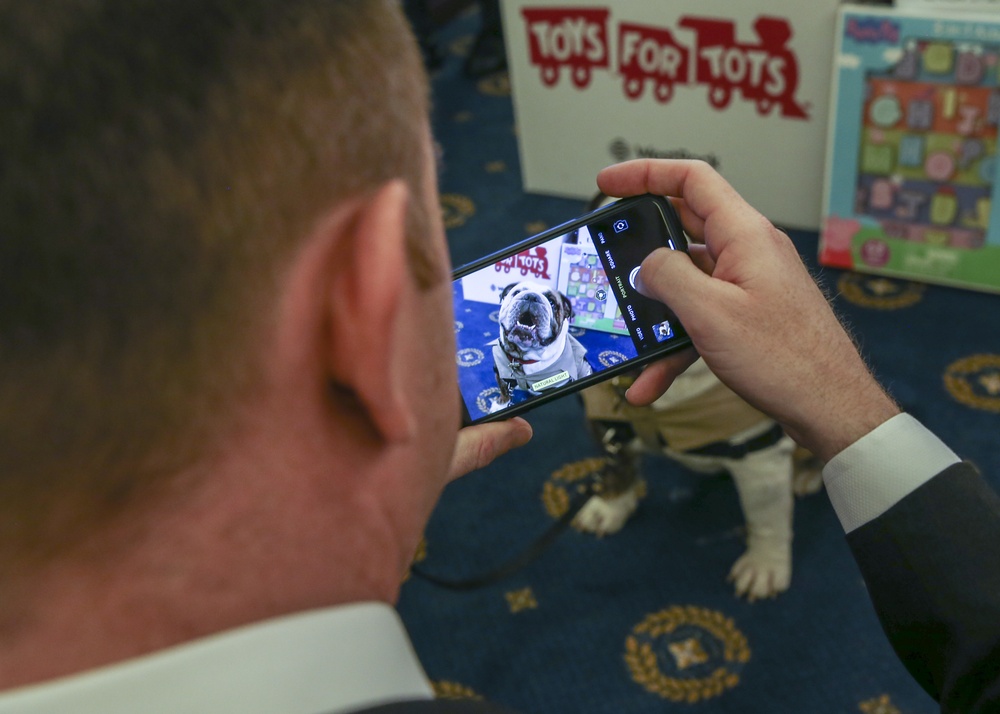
559 312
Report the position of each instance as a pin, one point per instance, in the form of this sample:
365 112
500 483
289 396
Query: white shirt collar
324 661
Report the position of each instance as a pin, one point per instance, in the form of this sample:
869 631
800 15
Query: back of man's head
158 163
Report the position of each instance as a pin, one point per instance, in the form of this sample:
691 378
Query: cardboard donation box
744 86
911 189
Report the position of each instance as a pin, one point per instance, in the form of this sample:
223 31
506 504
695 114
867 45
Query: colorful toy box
912 152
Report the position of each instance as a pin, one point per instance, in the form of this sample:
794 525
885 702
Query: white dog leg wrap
764 482
606 515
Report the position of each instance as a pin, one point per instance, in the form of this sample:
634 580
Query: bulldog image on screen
535 351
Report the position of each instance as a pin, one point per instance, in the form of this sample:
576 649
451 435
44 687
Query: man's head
160 163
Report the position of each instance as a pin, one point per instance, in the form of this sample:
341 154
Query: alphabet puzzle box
911 180
744 86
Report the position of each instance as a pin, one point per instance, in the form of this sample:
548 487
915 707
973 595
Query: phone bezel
674 232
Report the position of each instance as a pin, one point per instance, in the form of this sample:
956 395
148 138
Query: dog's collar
513 359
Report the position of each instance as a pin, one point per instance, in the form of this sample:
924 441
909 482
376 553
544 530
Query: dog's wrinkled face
532 315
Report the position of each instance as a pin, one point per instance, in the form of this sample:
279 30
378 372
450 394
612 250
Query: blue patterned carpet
643 621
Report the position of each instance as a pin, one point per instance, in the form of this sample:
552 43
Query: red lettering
765 72
649 53
567 37
526 262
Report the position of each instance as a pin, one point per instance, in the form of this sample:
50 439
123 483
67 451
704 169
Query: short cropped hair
160 161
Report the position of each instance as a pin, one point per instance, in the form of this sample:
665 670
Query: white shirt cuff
878 470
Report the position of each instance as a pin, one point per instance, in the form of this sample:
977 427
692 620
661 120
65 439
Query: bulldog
535 351
701 424
704 426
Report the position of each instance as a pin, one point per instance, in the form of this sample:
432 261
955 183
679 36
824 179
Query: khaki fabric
716 414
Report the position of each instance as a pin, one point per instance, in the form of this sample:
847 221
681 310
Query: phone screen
560 311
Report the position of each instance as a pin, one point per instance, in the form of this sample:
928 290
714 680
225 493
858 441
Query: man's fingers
701 258
478 446
679 280
693 224
658 376
707 196
701 187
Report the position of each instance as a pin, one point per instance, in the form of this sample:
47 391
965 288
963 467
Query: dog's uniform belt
726 450
712 417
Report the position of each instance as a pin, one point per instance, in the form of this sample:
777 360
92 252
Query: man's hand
752 310
478 446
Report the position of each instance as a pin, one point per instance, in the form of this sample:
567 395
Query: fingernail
637 283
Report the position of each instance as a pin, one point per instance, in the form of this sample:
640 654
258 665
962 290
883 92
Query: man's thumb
672 278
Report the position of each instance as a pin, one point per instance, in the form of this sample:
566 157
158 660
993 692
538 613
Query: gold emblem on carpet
568 481
879 705
975 381
454 690
495 85
879 293
461 46
418 557
520 600
686 654
556 491
456 209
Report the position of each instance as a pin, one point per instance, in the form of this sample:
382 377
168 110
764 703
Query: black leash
592 486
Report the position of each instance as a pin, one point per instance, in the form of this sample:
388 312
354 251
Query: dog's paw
496 405
764 571
604 516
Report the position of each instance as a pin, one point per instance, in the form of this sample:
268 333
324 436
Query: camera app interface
559 311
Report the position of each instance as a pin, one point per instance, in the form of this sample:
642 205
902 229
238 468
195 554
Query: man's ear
367 299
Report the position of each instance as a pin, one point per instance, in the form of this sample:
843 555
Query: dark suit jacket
932 566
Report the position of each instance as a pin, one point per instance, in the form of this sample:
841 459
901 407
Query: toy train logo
534 261
764 72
